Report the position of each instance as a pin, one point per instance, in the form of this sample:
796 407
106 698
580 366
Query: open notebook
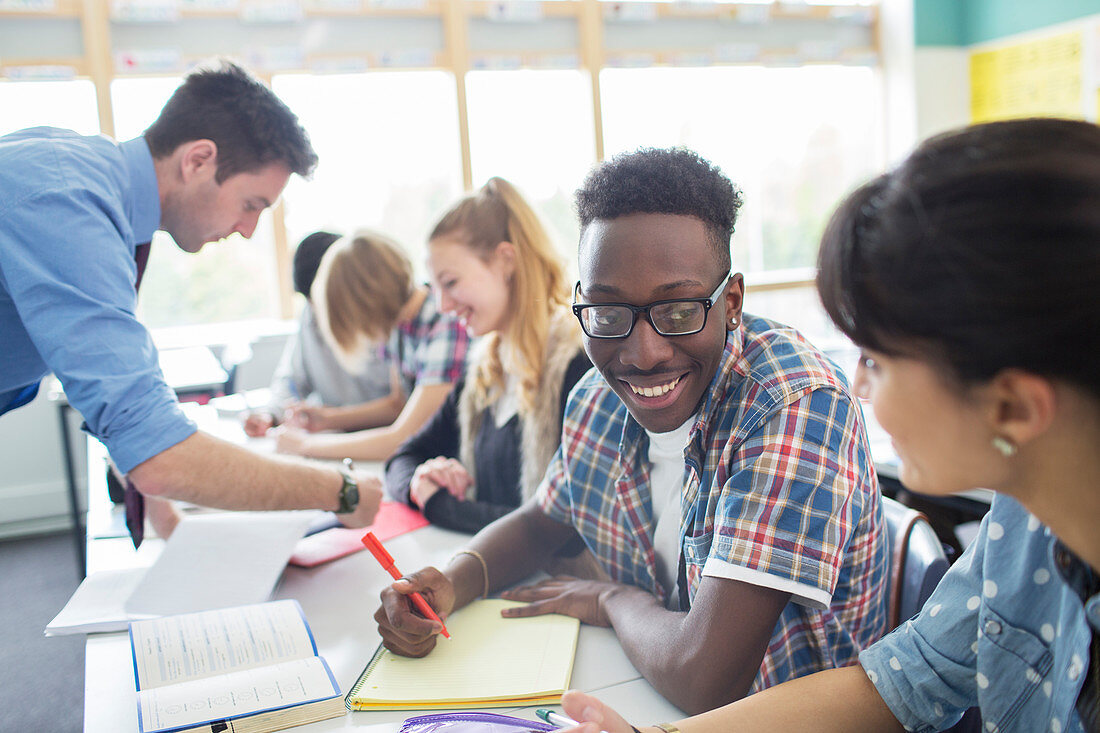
490 661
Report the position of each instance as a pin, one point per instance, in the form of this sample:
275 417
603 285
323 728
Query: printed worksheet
194 646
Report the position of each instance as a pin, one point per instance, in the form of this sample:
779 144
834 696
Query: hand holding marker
385 559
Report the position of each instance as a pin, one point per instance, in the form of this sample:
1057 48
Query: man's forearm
654 641
702 659
209 471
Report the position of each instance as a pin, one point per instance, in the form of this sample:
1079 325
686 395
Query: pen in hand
385 559
557 719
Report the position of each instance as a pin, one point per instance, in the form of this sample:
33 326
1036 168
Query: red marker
385 559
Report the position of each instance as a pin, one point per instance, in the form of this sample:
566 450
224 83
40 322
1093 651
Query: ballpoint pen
385 559
556 718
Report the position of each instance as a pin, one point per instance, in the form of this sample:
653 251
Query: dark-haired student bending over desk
716 467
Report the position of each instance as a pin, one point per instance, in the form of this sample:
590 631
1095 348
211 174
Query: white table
339 600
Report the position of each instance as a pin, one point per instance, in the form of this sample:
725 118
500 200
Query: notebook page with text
199 645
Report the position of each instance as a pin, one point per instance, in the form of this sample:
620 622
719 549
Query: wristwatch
349 492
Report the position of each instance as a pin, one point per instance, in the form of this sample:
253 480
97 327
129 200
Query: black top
497 454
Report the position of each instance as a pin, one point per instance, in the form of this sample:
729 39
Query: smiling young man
715 463
76 216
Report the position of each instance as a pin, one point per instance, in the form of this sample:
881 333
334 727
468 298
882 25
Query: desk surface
339 599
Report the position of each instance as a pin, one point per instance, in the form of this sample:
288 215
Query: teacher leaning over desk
76 217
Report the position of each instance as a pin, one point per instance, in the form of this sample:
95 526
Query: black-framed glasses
678 317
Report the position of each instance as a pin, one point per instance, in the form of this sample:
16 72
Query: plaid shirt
429 349
779 480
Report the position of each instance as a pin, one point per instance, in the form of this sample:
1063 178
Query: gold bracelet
484 570
667 727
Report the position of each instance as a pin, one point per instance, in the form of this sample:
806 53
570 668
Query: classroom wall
33 494
949 33
940 67
942 87
989 20
970 22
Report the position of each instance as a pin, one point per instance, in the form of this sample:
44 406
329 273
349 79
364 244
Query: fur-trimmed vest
540 429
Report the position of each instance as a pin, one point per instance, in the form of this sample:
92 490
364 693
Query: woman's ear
1023 405
505 255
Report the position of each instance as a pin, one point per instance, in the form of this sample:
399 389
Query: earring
1004 446
733 322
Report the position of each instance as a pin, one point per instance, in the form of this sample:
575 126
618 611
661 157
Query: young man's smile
640 259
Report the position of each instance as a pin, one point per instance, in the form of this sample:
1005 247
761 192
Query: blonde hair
362 283
499 213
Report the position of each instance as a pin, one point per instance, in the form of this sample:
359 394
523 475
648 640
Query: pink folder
393 519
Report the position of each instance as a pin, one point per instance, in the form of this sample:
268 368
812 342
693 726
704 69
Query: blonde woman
485 451
365 298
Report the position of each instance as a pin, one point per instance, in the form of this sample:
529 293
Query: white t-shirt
668 478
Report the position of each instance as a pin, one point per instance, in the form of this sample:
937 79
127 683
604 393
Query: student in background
364 296
969 276
486 450
715 464
309 368
74 238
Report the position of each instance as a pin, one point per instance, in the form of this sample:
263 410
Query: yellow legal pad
489 661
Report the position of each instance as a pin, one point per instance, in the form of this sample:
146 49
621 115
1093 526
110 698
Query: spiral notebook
490 661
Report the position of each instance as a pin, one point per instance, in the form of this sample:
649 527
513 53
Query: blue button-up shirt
72 210
1007 630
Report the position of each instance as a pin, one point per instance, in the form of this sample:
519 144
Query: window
535 129
230 280
389 154
68 104
795 140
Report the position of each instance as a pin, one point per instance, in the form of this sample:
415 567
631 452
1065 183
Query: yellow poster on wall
1040 77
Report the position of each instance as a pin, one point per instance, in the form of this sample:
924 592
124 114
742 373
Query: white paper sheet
219 560
99 604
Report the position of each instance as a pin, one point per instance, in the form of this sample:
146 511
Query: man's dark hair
250 125
307 258
663 181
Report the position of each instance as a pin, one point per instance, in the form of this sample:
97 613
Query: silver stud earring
1004 446
733 322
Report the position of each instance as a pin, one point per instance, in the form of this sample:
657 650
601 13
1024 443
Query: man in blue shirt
75 214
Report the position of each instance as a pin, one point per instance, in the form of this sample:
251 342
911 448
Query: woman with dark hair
970 277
